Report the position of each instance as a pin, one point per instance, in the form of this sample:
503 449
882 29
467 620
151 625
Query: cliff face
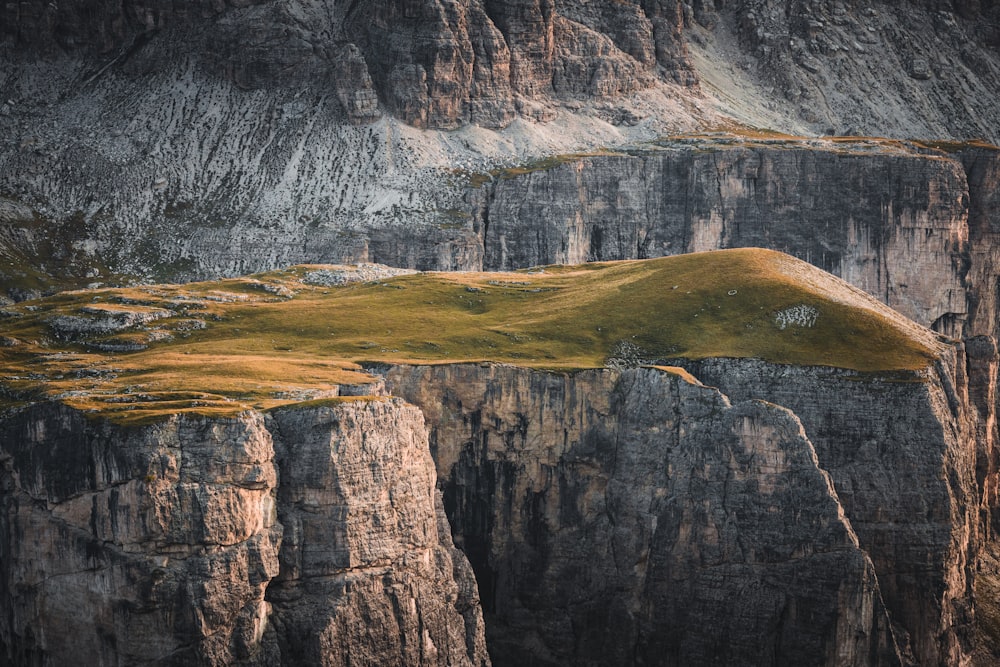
136 544
902 459
368 572
892 222
433 63
852 67
608 516
559 475
982 167
442 63
175 141
175 542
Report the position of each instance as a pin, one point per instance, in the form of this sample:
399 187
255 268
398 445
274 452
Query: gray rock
919 69
892 222
621 517
201 540
903 457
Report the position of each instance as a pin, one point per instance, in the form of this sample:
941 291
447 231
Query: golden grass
261 351
682 373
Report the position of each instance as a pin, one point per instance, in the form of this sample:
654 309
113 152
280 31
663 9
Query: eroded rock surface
901 454
615 518
369 574
205 540
894 222
609 517
131 545
176 141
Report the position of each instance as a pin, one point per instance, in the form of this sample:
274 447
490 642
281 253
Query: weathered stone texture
175 543
894 224
636 517
902 454
434 63
368 573
129 545
927 68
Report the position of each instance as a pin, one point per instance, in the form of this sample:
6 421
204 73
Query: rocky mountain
174 543
711 458
203 490
190 140
911 224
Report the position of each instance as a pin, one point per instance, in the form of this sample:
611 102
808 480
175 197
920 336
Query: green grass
258 350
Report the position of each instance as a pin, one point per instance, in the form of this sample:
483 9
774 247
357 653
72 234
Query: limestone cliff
610 515
902 457
434 63
853 67
892 220
205 540
597 506
172 141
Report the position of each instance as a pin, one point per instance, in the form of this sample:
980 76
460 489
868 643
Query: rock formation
609 515
587 504
908 225
855 68
173 141
611 518
916 513
205 540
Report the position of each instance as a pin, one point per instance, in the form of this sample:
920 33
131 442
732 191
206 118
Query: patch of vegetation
453 218
259 350
681 373
952 146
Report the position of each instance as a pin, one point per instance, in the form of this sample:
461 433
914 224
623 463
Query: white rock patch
801 315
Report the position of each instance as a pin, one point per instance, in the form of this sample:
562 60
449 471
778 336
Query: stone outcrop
433 63
176 141
579 497
131 545
982 167
200 540
369 574
606 517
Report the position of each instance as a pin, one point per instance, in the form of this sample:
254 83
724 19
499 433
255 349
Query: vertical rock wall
903 457
369 574
130 545
639 518
894 223
206 541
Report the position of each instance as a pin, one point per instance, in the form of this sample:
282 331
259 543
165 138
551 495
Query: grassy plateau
275 338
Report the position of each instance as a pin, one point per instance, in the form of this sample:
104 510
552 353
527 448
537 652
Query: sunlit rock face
313 536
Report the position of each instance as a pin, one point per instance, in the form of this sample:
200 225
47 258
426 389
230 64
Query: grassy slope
258 349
